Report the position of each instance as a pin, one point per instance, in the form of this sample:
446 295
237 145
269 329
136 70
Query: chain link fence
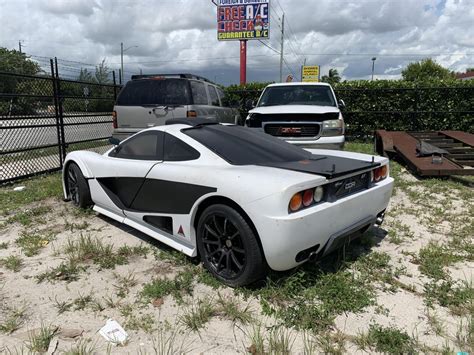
43 118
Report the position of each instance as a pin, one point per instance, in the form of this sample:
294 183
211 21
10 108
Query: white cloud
178 35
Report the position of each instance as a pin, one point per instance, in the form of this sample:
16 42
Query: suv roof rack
193 122
182 76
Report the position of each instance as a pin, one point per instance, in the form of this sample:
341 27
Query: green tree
13 61
332 78
102 72
85 76
425 70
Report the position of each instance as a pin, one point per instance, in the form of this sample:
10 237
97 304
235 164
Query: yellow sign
310 73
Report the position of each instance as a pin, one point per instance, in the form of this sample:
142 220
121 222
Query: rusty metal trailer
458 147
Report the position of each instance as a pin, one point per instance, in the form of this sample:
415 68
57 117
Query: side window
144 146
199 93
177 150
224 98
213 95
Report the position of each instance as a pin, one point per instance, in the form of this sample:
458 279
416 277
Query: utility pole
281 49
373 67
121 62
19 45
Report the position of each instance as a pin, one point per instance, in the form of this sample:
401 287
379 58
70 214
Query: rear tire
78 188
228 247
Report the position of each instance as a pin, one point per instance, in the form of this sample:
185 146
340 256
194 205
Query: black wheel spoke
210 230
225 226
219 261
213 242
219 231
236 262
238 250
214 253
234 235
227 264
72 176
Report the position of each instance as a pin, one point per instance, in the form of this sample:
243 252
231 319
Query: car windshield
155 92
297 95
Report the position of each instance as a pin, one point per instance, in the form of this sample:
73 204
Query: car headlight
333 128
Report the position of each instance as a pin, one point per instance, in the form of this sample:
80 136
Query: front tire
228 247
78 188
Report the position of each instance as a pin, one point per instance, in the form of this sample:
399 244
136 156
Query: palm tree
332 77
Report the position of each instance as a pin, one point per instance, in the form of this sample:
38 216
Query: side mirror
341 104
114 141
249 104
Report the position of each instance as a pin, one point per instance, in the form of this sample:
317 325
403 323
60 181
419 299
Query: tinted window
213 95
298 95
199 93
177 150
155 92
243 146
144 146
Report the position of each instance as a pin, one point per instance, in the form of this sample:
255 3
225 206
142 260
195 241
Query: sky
170 36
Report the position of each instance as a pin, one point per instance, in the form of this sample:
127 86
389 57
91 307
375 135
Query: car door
119 175
216 105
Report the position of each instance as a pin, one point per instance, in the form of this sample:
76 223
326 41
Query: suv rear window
155 92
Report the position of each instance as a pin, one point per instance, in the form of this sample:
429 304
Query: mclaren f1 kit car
242 200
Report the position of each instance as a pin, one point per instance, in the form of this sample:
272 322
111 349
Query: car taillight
191 114
380 173
114 119
306 198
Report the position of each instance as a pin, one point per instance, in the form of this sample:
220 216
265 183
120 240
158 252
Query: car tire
78 188
228 247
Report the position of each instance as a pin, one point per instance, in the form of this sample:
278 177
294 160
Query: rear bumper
320 228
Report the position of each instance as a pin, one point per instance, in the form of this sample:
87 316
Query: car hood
294 109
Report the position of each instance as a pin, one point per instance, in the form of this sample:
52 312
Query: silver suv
150 100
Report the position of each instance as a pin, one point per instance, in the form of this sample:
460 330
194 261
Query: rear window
243 146
155 92
199 93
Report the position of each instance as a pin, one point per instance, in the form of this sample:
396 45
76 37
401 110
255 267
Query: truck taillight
114 119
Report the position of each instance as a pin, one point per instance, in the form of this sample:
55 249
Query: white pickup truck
305 114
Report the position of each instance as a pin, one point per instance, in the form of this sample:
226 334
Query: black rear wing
179 76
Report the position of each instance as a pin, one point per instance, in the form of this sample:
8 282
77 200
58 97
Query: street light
373 66
122 51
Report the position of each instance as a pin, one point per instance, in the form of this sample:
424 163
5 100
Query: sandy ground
402 308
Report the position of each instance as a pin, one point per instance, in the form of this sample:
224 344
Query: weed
14 319
309 344
76 226
110 303
127 251
32 243
62 306
433 257
27 217
171 255
457 296
388 340
158 288
66 271
280 341
206 278
464 338
143 322
332 343
12 262
39 342
165 343
198 314
124 283
83 347
93 249
4 245
230 309
82 302
257 340
435 323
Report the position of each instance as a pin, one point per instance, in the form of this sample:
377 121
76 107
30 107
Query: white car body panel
263 193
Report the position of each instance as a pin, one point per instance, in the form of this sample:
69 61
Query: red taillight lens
114 119
191 114
307 197
296 202
380 173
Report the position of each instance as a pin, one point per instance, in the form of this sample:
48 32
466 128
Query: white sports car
241 200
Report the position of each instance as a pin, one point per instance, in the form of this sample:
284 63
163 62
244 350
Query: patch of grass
83 347
159 288
32 242
76 226
173 256
36 189
27 217
13 319
166 342
464 338
198 314
12 262
39 342
66 271
230 309
256 338
204 277
433 258
124 283
128 251
399 232
89 249
144 322
4 245
435 323
332 343
62 306
280 341
359 147
387 340
458 296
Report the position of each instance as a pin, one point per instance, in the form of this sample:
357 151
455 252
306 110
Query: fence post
60 109
56 112
115 86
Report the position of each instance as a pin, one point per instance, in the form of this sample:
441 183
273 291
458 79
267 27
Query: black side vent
163 223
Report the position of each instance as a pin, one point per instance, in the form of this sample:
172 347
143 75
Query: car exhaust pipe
379 219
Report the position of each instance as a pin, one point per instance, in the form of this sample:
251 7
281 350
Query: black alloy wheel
228 246
77 186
